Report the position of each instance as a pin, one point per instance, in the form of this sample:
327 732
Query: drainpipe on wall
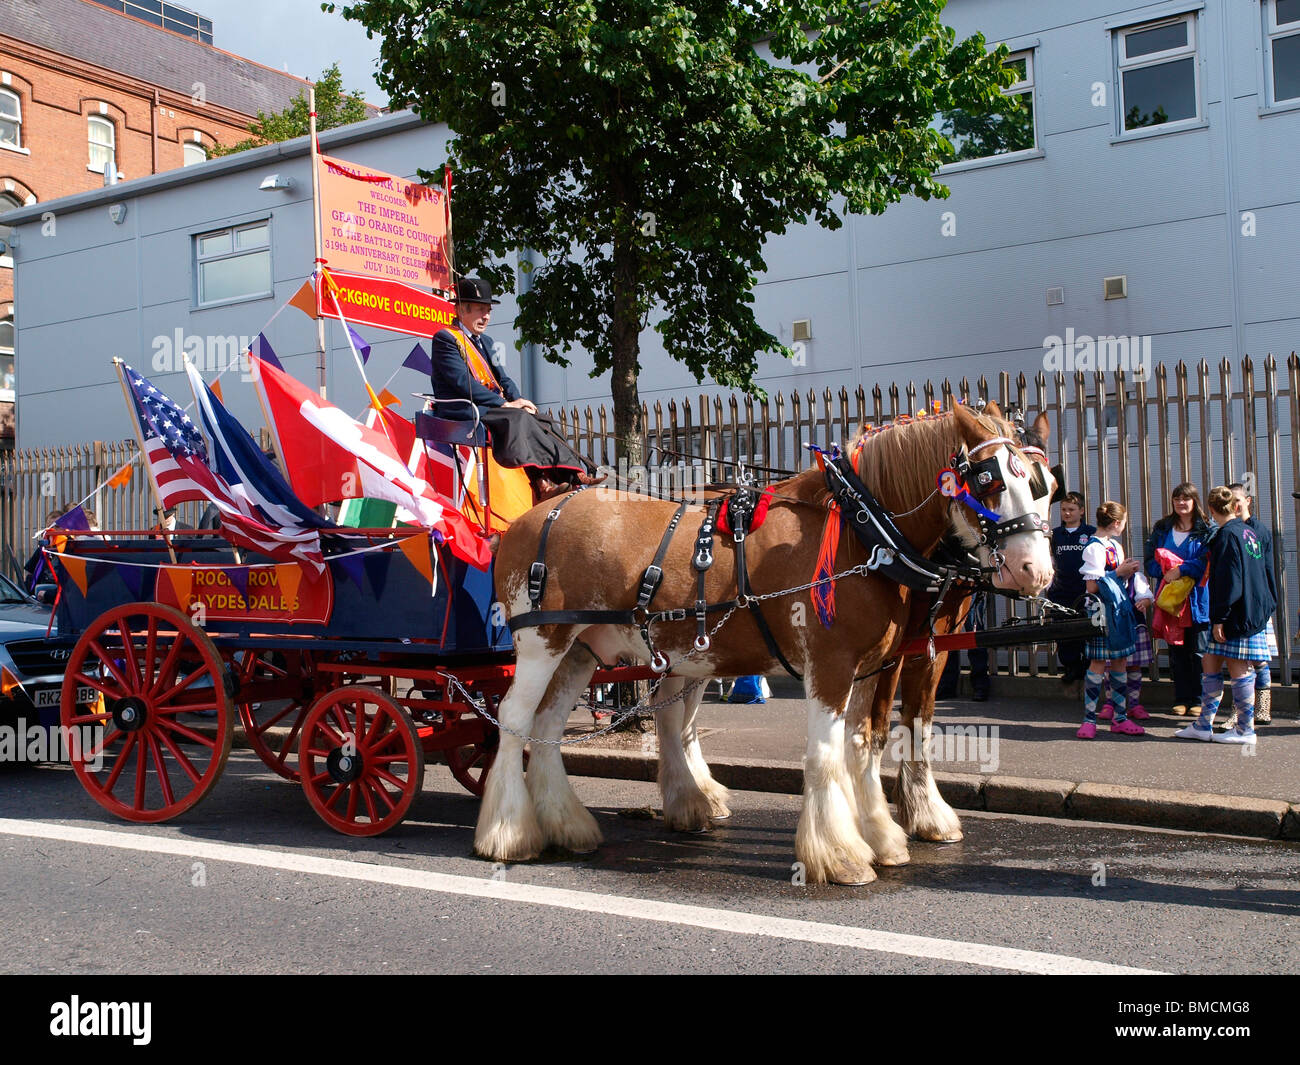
153 133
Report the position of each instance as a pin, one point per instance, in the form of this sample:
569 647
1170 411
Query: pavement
1015 754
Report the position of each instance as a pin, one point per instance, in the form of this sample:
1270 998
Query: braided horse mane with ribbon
575 582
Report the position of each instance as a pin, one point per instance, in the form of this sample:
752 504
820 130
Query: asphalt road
294 897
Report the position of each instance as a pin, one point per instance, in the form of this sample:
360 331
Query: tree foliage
645 150
333 108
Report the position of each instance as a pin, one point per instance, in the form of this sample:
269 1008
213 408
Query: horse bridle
985 478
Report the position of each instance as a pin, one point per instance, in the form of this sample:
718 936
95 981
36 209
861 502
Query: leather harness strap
740 510
537 571
654 573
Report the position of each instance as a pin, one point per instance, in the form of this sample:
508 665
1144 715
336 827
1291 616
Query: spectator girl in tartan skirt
1106 573
1243 597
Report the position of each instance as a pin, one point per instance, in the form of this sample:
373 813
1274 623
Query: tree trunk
625 337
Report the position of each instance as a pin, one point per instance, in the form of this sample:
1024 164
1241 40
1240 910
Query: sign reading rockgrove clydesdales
286 593
383 304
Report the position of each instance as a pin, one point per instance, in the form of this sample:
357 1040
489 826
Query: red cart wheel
274 727
361 760
145 758
471 764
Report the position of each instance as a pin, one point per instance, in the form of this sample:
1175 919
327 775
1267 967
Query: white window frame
92 121
1272 33
1123 65
7 394
18 106
1024 85
8 202
234 253
187 147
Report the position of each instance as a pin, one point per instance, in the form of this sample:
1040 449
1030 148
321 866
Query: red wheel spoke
130 657
168 669
150 650
321 778
387 741
141 775
329 733
180 756
100 748
376 728
164 781
345 726
90 719
186 708
381 774
337 792
272 722
387 759
187 732
110 665
100 685
312 752
370 806
184 683
353 789
120 764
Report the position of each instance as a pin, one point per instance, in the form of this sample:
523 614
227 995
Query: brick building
92 89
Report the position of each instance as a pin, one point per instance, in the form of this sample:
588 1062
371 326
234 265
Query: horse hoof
941 837
852 877
724 816
899 858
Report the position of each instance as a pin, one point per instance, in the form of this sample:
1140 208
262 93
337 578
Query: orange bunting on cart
76 568
304 299
123 476
416 549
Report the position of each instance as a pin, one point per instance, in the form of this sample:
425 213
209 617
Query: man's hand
523 404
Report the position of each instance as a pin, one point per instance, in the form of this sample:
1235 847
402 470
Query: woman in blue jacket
1186 532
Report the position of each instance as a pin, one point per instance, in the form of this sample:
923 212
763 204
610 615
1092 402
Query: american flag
178 458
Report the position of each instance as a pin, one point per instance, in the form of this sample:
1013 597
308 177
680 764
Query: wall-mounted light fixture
275 181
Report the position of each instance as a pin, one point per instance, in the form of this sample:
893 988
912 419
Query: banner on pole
380 226
383 304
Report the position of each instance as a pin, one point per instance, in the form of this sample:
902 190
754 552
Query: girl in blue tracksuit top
1186 532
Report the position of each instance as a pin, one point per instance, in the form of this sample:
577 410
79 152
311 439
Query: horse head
1003 515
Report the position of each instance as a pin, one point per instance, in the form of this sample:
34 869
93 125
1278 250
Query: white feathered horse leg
827 841
686 807
508 830
564 821
863 749
713 791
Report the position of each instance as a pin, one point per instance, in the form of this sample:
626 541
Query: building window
233 264
997 134
7 203
194 153
103 150
1157 73
7 359
1282 51
11 119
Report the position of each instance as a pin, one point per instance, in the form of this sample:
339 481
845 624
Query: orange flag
216 391
288 577
388 399
305 300
182 581
76 568
122 477
416 548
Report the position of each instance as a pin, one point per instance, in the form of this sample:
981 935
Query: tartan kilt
1144 653
1097 647
1243 648
1271 636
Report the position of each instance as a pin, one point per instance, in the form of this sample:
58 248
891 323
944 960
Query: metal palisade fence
1119 437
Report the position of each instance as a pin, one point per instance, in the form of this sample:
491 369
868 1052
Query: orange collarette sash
474 359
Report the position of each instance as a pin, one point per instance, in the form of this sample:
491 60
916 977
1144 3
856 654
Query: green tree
333 108
644 150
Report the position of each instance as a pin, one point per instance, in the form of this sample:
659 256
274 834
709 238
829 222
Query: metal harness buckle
536 581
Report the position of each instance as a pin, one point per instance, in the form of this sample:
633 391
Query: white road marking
733 921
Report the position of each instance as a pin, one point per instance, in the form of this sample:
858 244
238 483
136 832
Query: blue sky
295 35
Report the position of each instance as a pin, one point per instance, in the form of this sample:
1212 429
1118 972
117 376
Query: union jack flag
178 457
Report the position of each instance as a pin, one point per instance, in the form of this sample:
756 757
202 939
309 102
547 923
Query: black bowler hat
474 290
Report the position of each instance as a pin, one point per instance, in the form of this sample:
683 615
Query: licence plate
53 696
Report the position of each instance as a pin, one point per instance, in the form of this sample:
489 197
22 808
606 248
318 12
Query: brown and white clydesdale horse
922 812
596 553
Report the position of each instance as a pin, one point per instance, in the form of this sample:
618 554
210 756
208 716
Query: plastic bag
1173 594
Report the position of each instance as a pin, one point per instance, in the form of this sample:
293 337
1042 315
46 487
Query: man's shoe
544 488
1191 732
1178 709
1235 736
592 478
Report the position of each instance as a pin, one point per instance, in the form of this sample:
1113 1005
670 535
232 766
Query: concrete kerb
1120 804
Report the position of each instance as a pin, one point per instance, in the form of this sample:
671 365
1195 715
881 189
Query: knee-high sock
1118 698
1243 700
1091 693
1134 686
1263 675
1211 693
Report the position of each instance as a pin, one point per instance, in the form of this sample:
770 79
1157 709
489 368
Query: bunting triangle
182 580
288 577
97 571
377 564
416 549
76 568
122 476
133 577
305 300
353 568
238 576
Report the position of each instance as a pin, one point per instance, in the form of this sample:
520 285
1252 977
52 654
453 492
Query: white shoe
1191 732
1235 736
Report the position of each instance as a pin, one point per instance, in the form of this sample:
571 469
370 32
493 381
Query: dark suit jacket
452 378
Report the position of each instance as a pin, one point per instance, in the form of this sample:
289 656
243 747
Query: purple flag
359 343
133 577
353 566
238 577
377 563
261 347
73 519
419 361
